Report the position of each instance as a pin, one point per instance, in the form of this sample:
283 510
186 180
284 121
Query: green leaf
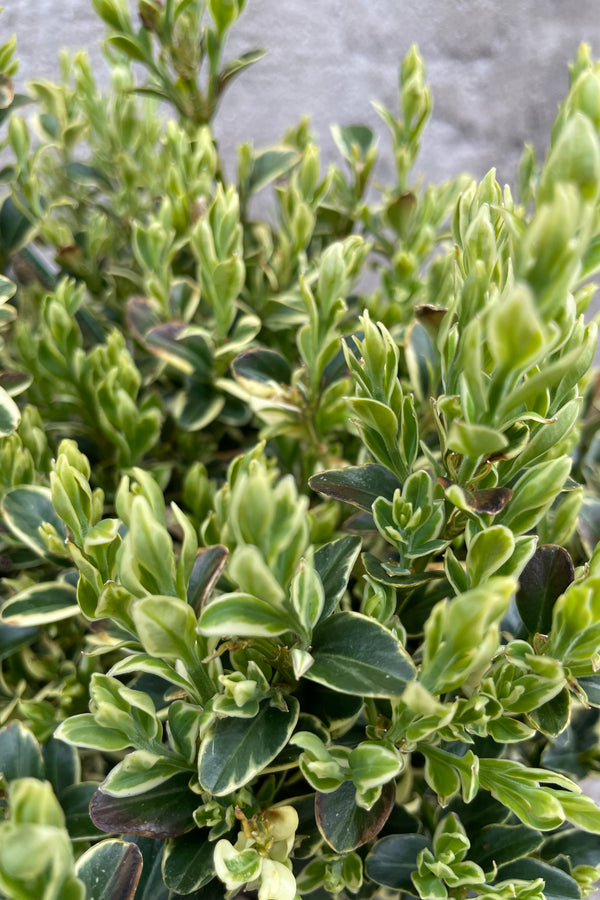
306 593
183 347
20 755
356 655
373 764
360 136
14 382
235 750
443 779
580 847
130 47
210 563
588 525
145 559
7 288
393 859
36 859
496 845
380 432
580 810
533 493
462 635
383 573
184 720
358 485
143 662
78 171
164 812
334 563
422 362
25 509
15 227
237 65
544 438
13 638
271 164
187 863
553 716
262 372
244 616
250 573
475 440
62 765
166 626
41 604
557 884
224 13
575 633
110 870
138 773
151 885
518 788
10 415
488 551
515 333
199 406
84 731
546 576
75 801
346 826
591 686
227 281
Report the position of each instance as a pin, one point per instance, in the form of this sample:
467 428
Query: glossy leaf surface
164 812
235 749
357 485
110 870
346 826
545 577
393 859
356 655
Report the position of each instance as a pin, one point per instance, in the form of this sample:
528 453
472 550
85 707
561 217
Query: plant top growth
300 580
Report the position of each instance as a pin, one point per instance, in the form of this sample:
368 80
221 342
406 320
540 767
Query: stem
200 678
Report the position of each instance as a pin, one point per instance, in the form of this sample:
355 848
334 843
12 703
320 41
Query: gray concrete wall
497 70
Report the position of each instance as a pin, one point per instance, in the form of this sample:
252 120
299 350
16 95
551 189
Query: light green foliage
36 859
446 866
285 694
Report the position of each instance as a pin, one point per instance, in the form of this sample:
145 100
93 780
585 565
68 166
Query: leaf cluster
300 579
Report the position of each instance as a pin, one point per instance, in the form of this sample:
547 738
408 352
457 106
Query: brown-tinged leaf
346 826
141 316
14 382
430 316
486 500
164 812
110 870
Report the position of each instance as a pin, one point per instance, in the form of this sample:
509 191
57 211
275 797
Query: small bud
114 13
309 172
575 158
150 12
585 96
18 137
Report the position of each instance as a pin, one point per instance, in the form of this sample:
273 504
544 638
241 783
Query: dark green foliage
301 581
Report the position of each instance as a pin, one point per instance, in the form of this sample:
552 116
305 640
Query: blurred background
497 70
